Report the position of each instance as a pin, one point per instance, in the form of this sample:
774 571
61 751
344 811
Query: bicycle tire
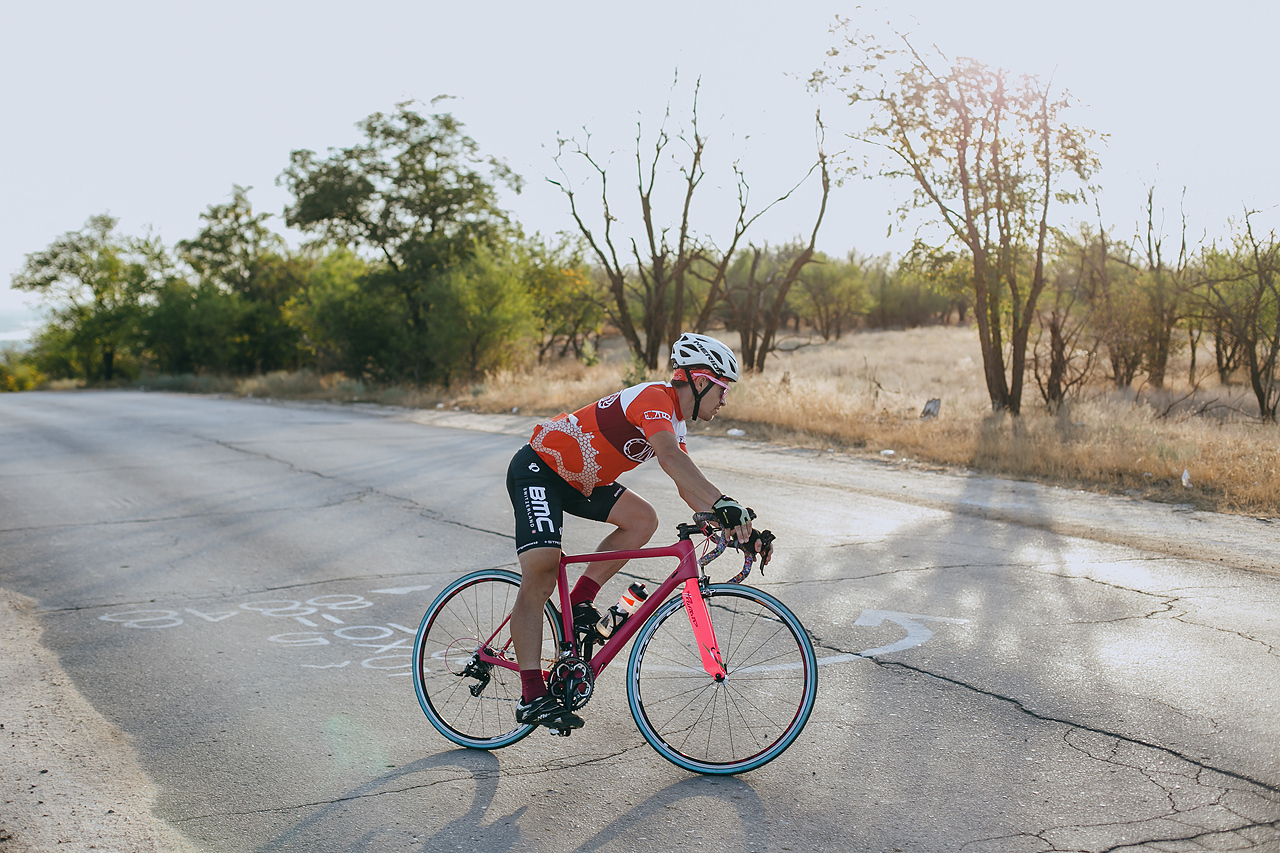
744 722
466 613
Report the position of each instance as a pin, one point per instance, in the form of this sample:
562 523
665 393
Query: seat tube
566 612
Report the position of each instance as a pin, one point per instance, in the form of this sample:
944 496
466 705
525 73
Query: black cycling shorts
540 497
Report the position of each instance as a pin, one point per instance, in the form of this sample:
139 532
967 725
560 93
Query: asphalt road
234 584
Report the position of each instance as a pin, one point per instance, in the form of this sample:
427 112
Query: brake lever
764 536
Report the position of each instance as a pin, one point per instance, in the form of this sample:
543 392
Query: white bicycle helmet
691 351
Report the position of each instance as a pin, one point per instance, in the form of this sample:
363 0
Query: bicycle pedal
560 732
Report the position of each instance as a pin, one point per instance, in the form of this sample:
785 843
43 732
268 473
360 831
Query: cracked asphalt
231 588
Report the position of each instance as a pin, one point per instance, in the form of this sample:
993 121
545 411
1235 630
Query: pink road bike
724 690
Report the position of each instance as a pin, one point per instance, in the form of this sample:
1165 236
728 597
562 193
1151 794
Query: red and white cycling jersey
595 444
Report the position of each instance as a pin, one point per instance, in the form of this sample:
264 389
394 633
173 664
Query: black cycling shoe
546 711
585 620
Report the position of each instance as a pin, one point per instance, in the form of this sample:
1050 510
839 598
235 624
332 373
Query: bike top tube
680 549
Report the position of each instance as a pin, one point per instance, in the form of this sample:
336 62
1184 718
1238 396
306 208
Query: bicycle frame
694 604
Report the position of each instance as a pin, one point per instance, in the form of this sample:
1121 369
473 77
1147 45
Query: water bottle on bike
618 613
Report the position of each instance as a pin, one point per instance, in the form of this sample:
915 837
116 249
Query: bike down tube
695 606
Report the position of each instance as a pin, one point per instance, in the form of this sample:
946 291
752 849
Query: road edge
69 779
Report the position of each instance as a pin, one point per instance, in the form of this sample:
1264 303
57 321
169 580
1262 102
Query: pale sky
151 111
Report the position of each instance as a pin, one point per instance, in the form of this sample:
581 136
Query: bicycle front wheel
471 701
743 722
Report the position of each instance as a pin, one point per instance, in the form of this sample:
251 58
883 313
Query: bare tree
757 308
656 272
988 154
1110 283
1243 287
1138 298
1161 295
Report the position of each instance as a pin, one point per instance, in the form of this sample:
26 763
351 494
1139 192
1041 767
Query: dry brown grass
865 392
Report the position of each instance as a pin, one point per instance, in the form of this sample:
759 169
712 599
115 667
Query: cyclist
571 464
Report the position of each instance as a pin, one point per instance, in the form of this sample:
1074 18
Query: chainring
572 681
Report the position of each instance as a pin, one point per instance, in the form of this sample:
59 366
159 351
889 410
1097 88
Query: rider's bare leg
539 568
635 521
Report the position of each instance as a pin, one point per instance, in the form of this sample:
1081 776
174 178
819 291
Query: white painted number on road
145 618
213 617
387 653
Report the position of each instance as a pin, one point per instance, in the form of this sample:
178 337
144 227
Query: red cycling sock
531 684
584 590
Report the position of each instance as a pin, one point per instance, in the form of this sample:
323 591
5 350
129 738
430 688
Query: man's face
714 399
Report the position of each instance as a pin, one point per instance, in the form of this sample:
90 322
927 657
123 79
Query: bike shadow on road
651 816
368 816
375 816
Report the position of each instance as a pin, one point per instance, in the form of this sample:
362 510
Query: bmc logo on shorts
638 450
654 415
539 510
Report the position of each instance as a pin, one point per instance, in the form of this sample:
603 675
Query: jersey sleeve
652 412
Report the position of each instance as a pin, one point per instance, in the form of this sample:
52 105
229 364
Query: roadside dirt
68 778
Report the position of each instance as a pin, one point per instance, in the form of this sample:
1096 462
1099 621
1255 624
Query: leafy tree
1228 352
351 319
97 281
948 275
483 312
233 246
1137 298
417 195
568 299
17 372
189 328
1065 348
903 296
245 277
833 294
1110 285
1165 288
987 153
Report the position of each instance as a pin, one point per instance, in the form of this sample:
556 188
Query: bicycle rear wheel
743 722
469 701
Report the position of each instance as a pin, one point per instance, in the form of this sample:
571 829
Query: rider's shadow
384 814
392 813
662 816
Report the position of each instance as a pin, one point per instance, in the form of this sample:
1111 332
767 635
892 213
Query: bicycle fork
695 606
